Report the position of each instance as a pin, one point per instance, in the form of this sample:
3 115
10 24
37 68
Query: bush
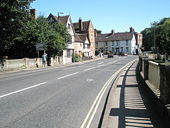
76 58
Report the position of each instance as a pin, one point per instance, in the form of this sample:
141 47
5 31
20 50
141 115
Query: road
56 97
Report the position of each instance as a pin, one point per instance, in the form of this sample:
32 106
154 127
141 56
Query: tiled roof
115 36
85 26
77 38
61 19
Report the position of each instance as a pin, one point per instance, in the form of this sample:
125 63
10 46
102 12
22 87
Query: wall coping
154 63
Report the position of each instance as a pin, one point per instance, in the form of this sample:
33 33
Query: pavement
128 104
49 67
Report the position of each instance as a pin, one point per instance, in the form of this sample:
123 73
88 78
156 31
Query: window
127 49
113 43
113 50
126 42
69 26
117 43
106 44
68 53
121 49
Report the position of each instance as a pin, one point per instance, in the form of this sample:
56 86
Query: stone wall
154 74
15 64
165 83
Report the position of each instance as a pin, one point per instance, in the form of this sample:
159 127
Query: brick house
86 28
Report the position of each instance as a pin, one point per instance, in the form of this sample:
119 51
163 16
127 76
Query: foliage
13 14
76 57
98 31
158 33
19 31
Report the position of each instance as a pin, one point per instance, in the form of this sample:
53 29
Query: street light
154 40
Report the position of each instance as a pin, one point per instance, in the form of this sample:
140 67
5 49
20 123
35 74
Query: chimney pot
112 32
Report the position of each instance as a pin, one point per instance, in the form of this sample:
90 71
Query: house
66 20
78 44
123 42
85 28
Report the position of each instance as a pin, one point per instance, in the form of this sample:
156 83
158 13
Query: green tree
13 15
158 33
164 37
53 35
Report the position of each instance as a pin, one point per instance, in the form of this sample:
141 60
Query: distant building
123 42
86 28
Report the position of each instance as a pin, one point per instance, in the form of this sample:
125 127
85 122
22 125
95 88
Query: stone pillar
146 67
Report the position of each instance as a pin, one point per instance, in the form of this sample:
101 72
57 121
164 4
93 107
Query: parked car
110 55
122 54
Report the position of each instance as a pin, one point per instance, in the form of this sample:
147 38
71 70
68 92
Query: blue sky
108 14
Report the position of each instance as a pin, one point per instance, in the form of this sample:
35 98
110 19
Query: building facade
124 42
66 20
86 27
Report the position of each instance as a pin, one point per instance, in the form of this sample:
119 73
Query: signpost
40 47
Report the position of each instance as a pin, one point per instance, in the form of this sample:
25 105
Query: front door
117 51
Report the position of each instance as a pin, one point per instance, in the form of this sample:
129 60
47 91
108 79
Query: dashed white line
101 63
21 90
69 68
89 69
68 75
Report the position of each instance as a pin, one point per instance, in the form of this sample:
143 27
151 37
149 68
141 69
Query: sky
106 15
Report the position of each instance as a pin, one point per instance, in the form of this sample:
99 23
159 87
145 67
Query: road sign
39 46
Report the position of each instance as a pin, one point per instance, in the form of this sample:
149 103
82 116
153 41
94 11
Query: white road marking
95 105
101 63
67 75
21 90
89 69
69 68
90 115
89 80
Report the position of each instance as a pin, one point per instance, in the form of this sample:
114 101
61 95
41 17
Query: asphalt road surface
57 97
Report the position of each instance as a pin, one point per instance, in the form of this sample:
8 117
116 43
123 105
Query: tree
13 15
53 35
158 33
98 31
164 37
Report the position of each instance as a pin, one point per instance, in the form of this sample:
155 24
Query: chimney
33 13
112 32
132 29
80 25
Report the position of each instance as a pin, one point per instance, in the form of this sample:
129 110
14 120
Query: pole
154 41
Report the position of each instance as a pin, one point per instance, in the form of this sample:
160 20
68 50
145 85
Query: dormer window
69 26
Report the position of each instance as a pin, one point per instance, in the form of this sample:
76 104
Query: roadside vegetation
20 31
157 37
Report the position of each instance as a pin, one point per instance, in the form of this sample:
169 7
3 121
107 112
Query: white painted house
66 20
124 42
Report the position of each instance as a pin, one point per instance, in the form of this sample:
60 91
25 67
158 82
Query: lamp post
154 39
